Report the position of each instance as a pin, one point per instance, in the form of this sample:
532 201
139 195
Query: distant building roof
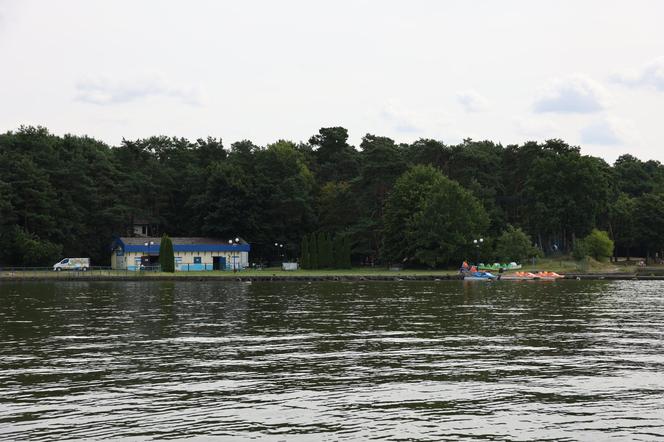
177 240
180 244
143 221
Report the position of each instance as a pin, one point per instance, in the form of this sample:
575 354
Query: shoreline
308 278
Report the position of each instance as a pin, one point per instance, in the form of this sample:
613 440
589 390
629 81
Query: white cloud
266 84
5 10
574 94
104 90
609 131
537 127
471 101
650 75
400 119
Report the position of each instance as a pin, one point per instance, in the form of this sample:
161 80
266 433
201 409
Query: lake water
563 360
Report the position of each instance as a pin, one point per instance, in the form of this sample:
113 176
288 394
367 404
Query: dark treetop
68 196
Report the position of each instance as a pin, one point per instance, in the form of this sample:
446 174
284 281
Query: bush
599 245
515 245
579 251
21 248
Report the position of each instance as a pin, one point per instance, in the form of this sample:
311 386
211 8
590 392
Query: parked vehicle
82 264
289 266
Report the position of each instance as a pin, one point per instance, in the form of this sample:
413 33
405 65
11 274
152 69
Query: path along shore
299 278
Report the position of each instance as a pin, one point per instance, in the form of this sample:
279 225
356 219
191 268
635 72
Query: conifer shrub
166 255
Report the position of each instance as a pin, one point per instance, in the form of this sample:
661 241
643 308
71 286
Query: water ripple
332 361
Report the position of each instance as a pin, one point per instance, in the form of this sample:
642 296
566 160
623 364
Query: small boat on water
548 275
473 273
497 266
518 276
479 276
528 276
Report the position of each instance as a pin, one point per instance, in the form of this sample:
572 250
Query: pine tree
313 251
338 251
323 256
304 250
320 249
324 249
346 259
330 251
166 255
335 252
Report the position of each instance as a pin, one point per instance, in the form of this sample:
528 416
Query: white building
191 254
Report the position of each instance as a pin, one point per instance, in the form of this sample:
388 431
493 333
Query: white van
72 264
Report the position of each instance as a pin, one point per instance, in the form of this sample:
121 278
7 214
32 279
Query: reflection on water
309 361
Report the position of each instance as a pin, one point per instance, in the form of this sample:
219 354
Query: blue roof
137 245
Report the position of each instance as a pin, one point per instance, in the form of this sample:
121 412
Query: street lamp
280 249
478 243
234 243
148 244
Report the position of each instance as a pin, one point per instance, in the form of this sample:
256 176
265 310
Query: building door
150 261
218 263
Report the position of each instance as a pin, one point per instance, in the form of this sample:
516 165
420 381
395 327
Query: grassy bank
571 266
249 273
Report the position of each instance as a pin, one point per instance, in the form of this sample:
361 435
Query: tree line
324 251
420 203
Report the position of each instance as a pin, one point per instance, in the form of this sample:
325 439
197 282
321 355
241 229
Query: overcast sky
589 72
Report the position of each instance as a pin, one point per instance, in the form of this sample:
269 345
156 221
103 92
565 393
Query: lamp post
280 250
234 243
148 244
478 243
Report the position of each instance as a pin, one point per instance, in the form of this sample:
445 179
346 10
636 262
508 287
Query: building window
197 259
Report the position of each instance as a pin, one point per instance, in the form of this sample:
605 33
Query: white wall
130 258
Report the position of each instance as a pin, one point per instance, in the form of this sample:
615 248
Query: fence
94 271
99 271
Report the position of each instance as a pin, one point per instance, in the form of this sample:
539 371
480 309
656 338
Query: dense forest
421 203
